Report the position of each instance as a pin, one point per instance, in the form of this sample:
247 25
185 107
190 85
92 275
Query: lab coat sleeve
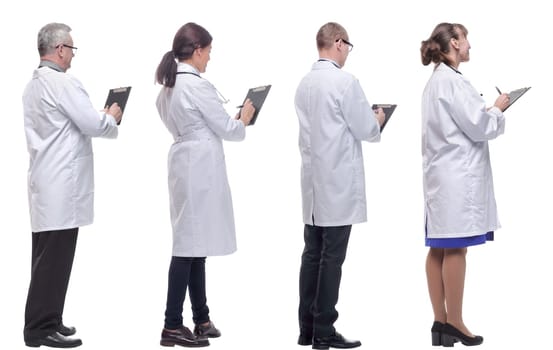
216 117
471 115
359 115
75 103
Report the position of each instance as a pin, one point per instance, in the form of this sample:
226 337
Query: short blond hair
329 33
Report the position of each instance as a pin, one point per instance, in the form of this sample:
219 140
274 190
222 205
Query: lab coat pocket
202 167
478 191
358 181
83 173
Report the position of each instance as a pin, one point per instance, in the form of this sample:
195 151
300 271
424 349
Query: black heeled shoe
450 335
436 331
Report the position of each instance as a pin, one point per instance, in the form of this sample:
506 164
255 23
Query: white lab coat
59 123
200 199
334 117
459 197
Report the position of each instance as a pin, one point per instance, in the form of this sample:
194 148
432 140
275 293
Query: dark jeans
186 272
51 262
320 275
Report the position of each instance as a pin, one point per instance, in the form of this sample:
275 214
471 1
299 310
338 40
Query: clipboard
515 95
257 95
388 111
119 95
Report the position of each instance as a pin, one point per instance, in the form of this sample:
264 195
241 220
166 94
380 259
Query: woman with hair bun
459 201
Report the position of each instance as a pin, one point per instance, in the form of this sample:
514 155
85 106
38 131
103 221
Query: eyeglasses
73 48
350 45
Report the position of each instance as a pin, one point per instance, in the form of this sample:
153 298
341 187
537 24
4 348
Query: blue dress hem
459 242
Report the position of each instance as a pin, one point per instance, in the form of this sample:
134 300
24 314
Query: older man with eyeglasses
59 123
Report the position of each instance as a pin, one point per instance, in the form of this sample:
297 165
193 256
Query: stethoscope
223 99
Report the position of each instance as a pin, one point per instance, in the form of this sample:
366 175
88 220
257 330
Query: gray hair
50 36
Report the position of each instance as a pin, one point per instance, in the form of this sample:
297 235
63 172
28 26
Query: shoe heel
436 338
166 343
320 346
447 340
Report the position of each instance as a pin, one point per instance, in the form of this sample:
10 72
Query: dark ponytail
166 72
188 38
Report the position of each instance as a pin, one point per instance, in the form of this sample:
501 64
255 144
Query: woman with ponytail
459 202
200 200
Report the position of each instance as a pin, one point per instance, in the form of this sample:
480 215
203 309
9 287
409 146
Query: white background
117 291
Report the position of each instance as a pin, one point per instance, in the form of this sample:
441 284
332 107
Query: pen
498 90
240 106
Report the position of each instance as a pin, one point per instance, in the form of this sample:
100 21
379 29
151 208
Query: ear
338 45
59 50
198 51
454 43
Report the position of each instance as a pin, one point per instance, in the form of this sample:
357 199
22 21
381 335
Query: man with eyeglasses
334 117
59 123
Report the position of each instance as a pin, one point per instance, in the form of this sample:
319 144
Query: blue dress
459 242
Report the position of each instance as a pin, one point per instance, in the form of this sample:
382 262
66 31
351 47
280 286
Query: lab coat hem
197 254
60 227
334 223
463 234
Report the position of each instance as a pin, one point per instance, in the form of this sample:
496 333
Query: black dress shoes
208 331
182 337
305 339
54 340
67 331
436 331
451 335
334 341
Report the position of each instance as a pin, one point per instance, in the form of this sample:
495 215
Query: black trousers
185 272
320 275
51 262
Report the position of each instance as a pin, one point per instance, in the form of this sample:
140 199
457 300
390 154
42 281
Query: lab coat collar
52 65
185 67
445 66
324 63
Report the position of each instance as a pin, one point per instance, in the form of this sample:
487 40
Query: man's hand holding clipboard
119 96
